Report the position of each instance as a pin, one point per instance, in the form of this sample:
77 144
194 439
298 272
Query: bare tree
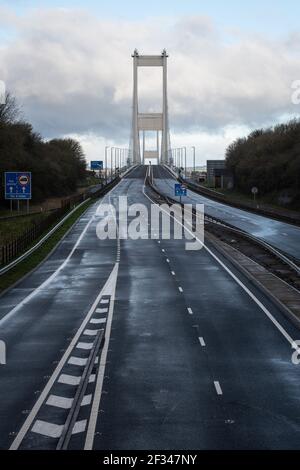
9 111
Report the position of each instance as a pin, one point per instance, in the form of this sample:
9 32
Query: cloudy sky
231 67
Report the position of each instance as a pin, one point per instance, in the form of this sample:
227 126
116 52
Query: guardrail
9 252
220 197
278 254
12 249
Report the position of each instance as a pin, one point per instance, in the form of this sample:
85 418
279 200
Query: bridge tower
143 122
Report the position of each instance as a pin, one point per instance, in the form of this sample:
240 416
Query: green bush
57 166
268 159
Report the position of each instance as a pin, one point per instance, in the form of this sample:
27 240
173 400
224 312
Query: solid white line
101 371
190 311
49 280
202 342
57 271
59 402
237 280
218 387
31 417
40 242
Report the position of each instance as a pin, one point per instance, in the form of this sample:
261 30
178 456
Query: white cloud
72 72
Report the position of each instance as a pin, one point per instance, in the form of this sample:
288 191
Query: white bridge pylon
143 122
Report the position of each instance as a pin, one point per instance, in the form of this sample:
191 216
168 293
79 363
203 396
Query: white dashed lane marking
190 311
202 342
218 387
180 289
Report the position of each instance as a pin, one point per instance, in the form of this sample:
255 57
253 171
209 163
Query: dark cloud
73 73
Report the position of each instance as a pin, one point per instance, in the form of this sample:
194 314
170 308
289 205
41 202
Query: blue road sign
96 165
180 190
18 185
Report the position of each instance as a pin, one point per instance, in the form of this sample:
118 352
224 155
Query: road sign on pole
254 191
96 165
18 185
180 189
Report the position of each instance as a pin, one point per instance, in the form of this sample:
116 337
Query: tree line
268 159
57 165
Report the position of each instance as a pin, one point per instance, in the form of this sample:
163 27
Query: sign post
97 165
254 191
180 190
18 187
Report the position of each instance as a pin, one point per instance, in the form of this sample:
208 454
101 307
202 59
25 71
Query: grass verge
24 267
17 226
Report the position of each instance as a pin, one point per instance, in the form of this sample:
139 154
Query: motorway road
194 356
283 236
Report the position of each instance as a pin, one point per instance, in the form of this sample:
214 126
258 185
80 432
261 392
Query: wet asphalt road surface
283 236
193 361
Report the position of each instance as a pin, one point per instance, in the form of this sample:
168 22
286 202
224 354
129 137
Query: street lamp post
181 158
194 159
115 162
184 148
117 159
106 151
111 161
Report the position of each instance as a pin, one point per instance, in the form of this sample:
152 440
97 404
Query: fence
18 245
